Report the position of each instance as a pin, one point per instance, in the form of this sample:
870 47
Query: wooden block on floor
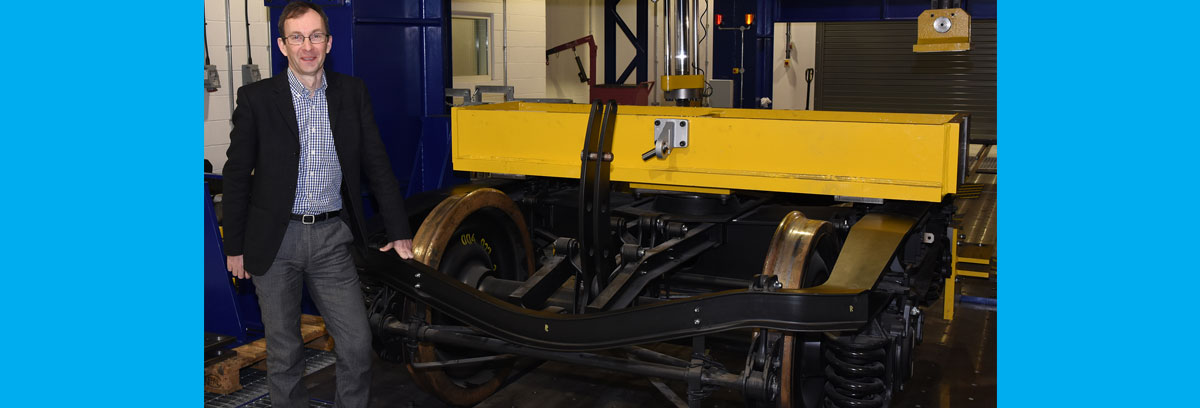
324 343
224 377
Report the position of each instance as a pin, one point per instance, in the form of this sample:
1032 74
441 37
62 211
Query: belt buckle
307 219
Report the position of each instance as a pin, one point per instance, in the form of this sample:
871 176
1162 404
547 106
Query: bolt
682 143
418 286
697 321
778 285
697 310
657 122
682 123
916 311
418 276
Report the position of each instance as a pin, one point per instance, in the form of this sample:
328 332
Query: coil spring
855 374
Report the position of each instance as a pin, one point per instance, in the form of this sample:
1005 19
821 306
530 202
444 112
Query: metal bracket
668 134
507 91
465 94
765 283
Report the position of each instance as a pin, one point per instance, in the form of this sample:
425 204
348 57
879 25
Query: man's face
306 58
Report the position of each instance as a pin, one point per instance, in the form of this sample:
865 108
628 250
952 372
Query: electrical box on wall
943 30
722 93
212 82
250 74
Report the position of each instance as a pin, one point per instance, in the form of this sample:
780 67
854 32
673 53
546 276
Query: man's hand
403 248
234 263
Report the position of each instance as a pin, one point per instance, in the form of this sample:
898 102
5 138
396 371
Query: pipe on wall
504 11
229 53
654 51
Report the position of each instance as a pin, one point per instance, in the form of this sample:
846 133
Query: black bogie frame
617 267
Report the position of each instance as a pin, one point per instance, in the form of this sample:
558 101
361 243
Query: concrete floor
955 367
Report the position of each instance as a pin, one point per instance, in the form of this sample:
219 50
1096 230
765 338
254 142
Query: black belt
309 219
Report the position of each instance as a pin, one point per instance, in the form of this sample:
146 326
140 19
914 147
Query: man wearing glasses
300 146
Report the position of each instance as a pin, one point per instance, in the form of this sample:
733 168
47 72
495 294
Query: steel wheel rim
802 253
434 240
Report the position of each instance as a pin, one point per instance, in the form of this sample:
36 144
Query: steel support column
640 41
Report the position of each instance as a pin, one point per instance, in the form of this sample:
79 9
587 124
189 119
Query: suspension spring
855 372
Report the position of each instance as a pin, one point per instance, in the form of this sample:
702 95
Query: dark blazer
264 158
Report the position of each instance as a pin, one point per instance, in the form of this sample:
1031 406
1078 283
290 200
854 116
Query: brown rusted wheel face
801 255
468 236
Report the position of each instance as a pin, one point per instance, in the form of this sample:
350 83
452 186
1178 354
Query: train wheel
468 236
801 255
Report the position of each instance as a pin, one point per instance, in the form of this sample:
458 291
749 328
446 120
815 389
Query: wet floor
955 365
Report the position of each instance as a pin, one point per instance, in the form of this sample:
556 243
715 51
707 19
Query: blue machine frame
229 309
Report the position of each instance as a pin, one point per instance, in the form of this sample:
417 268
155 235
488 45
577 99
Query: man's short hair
298 8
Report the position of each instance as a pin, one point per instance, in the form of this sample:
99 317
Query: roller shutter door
870 66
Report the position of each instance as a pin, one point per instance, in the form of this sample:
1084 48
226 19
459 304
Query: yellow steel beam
860 154
673 82
974 274
949 293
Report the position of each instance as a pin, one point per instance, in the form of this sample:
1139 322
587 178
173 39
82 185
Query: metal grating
870 67
254 391
988 164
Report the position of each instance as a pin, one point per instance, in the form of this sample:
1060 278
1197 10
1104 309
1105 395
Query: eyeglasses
315 38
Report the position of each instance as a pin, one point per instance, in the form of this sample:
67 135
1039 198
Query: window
471 45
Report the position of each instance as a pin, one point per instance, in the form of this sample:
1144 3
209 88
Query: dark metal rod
654 356
723 379
463 362
710 280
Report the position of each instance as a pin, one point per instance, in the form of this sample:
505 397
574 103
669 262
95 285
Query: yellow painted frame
951 295
859 154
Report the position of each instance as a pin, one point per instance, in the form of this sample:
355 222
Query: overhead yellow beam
859 154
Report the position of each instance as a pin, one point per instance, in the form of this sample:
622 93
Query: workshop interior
639 203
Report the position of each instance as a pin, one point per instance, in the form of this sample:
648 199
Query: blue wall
396 47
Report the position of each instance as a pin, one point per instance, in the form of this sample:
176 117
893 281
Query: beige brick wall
788 87
216 104
526 44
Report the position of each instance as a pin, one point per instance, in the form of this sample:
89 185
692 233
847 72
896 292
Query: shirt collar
298 87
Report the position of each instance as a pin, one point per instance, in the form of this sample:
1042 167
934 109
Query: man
301 142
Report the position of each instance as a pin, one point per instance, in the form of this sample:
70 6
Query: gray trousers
317 255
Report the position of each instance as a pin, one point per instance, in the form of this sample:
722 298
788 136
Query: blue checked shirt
320 181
